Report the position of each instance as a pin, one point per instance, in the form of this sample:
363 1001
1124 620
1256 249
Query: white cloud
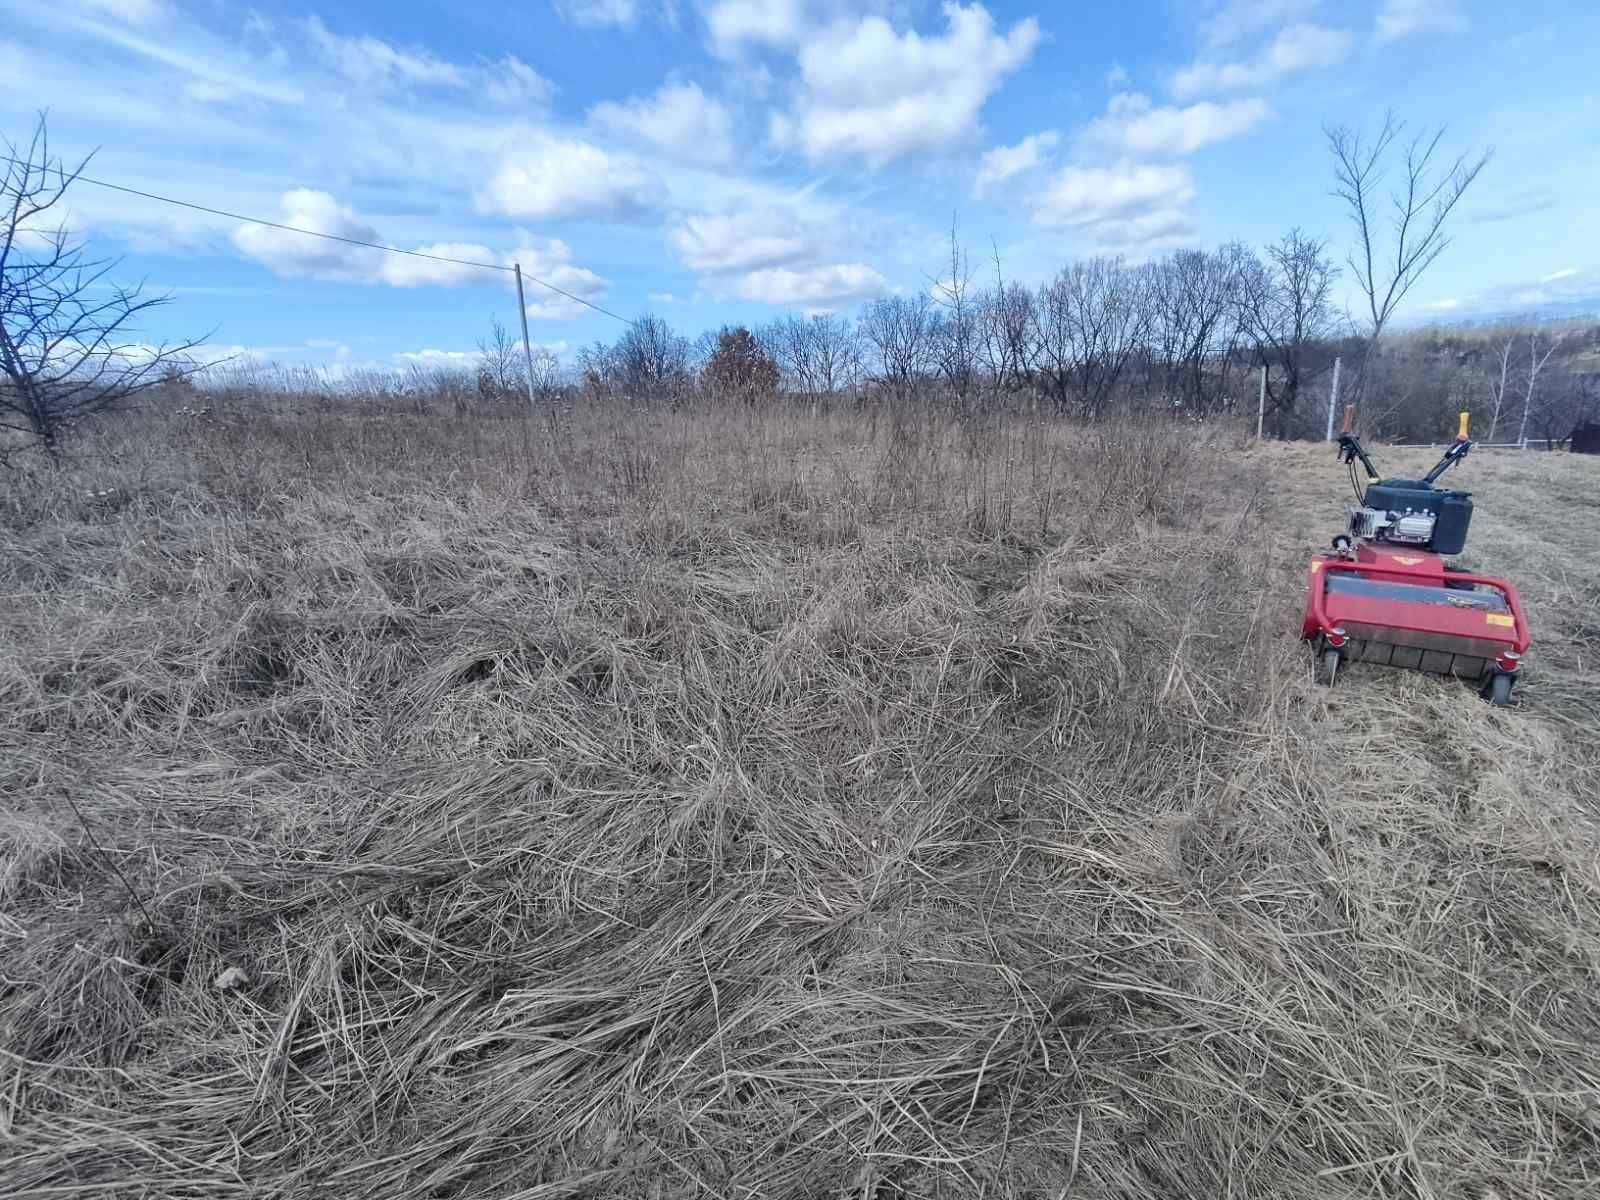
1297 48
1079 196
1564 273
680 119
719 243
734 23
134 12
365 59
1006 162
550 260
871 93
598 14
1402 18
399 271
1236 20
1133 125
815 289
467 358
563 177
1142 235
295 254
513 82
440 358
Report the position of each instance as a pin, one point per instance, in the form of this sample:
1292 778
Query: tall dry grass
744 804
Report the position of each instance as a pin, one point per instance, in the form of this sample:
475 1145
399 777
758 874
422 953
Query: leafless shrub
68 346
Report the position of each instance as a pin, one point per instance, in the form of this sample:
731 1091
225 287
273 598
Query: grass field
747 805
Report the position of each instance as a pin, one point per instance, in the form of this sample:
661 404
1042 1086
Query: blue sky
726 160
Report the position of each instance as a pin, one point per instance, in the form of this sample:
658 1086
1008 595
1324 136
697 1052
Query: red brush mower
1386 596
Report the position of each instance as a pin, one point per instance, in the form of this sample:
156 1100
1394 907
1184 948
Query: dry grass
750 806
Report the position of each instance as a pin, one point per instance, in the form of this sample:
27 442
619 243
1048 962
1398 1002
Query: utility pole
1261 405
527 350
1333 400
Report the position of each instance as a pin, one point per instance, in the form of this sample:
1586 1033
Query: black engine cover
1452 510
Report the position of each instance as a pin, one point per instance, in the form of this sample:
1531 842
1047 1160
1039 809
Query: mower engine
1385 594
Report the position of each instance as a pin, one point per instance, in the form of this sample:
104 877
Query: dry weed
747 804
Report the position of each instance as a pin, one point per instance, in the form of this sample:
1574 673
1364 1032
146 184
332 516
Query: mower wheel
1328 666
1498 690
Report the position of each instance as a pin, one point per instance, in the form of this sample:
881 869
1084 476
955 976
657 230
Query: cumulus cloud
1134 126
720 243
1297 48
294 254
815 289
679 119
551 177
1120 206
1403 18
1007 162
735 24
550 260
871 93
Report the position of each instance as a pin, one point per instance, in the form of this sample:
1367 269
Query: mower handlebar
1350 449
1455 454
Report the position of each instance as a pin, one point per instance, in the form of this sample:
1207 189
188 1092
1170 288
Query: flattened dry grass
740 804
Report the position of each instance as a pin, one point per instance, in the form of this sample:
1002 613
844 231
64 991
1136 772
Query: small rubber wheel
1328 666
1498 690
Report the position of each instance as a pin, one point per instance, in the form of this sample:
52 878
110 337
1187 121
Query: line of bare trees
1182 332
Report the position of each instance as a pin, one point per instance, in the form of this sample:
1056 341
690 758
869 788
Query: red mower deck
1402 608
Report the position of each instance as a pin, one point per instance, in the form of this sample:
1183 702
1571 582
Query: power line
330 237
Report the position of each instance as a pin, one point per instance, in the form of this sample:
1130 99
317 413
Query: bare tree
1287 308
1393 251
67 345
1497 386
1536 362
959 330
820 355
500 365
1194 324
547 373
1005 330
652 362
903 330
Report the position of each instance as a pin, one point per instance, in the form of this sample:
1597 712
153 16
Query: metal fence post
1333 399
1261 405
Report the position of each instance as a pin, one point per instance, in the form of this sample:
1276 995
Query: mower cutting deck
1386 596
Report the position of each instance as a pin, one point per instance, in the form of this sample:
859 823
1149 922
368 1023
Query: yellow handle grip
1461 433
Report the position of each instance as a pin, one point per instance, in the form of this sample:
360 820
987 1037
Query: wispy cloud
1405 18
1294 49
1133 125
1007 162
